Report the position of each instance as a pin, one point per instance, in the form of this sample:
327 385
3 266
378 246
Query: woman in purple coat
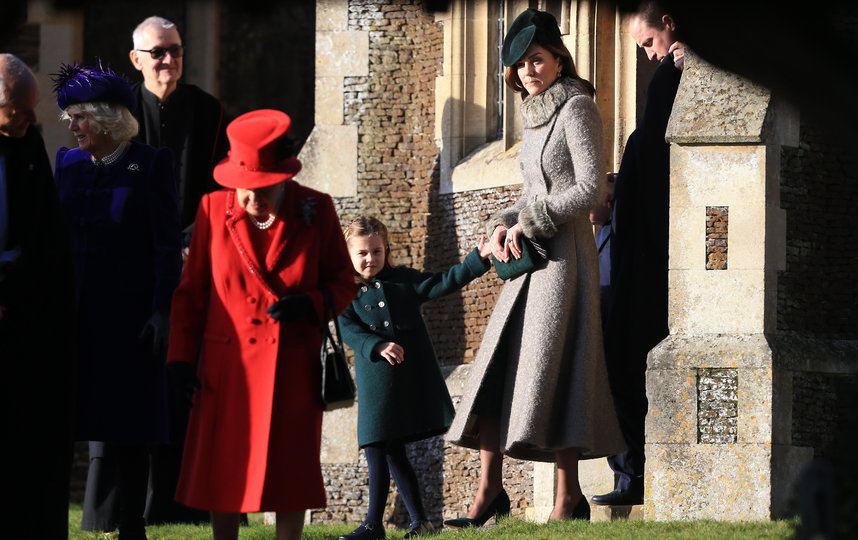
119 200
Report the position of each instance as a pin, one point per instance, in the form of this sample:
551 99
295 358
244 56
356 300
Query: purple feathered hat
80 84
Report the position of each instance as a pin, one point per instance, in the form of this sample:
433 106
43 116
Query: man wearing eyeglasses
179 116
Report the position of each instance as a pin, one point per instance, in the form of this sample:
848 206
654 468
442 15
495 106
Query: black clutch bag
533 255
338 388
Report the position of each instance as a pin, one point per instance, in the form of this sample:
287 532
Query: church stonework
722 441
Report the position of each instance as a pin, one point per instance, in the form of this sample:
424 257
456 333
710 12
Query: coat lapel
238 225
288 224
285 228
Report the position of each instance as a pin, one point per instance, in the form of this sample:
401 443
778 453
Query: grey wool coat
546 324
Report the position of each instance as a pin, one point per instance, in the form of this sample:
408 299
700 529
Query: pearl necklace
114 156
262 225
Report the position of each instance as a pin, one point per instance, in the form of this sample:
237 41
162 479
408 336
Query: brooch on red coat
308 210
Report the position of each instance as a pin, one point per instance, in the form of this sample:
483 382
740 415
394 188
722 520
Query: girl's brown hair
368 226
568 70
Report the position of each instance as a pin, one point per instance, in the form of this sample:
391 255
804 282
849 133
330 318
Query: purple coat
126 243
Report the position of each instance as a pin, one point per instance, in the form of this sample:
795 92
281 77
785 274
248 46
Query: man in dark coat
36 318
179 116
639 251
191 123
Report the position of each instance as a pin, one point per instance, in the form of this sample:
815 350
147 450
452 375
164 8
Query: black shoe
499 507
618 498
421 528
366 531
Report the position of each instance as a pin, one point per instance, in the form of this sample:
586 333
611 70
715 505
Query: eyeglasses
176 51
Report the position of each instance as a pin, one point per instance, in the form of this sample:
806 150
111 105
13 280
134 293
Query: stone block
714 350
491 165
329 158
717 175
672 395
612 513
755 406
705 301
456 377
342 54
595 477
725 482
332 16
687 232
339 436
329 101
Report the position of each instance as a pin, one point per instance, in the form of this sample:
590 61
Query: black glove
292 307
154 335
182 379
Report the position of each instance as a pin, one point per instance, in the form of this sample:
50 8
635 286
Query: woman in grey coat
538 388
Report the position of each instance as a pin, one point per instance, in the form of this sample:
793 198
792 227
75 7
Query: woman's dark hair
566 63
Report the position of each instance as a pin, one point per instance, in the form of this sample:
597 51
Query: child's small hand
390 351
484 248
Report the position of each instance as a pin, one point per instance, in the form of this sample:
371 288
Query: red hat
252 161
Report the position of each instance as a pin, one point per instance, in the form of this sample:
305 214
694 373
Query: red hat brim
229 173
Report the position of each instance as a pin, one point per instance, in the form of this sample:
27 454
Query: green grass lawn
509 528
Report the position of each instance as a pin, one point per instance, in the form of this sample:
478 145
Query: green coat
409 401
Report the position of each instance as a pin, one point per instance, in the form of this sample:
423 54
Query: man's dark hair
651 13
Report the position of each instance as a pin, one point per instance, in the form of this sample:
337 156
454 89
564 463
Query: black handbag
532 256
338 388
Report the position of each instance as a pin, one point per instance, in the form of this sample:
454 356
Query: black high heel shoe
499 507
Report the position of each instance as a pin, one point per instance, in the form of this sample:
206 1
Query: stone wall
456 224
818 293
393 107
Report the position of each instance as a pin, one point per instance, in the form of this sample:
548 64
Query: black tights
384 459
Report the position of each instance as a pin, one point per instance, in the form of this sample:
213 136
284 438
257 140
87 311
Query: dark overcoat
408 401
126 244
637 314
639 250
254 435
36 341
191 123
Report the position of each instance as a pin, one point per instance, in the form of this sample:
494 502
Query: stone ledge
707 96
611 513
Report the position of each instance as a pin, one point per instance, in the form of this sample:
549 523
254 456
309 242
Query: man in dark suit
179 116
191 123
36 318
639 250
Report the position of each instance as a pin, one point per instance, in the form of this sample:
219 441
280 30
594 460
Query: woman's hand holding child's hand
505 242
390 351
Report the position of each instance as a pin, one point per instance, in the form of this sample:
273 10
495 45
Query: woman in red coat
250 307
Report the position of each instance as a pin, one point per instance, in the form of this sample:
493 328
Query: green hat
530 24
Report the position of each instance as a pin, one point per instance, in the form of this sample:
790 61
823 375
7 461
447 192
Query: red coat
253 445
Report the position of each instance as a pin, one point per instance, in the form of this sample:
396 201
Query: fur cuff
507 218
535 221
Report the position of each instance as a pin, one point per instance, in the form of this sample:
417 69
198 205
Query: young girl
402 395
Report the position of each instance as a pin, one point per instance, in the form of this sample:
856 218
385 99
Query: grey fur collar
537 110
